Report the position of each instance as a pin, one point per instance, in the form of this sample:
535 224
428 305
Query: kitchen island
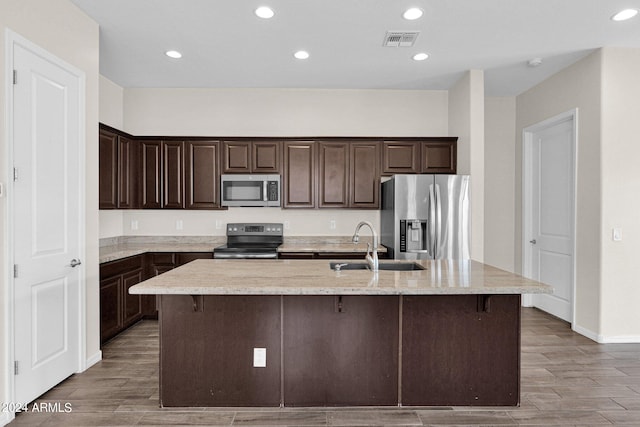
296 333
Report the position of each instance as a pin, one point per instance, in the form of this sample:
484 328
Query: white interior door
550 230
47 222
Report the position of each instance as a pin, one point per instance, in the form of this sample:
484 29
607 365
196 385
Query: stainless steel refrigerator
426 217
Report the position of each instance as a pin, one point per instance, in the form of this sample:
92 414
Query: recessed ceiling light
301 54
264 12
623 15
173 54
420 56
412 14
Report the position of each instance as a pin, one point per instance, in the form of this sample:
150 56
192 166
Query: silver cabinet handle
75 262
533 242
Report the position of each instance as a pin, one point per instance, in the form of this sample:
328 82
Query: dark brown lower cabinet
206 350
326 350
340 350
461 350
119 309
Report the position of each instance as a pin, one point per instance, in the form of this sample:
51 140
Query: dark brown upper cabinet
333 174
202 174
401 157
426 155
251 156
348 174
299 178
364 174
439 156
151 174
173 174
117 168
108 166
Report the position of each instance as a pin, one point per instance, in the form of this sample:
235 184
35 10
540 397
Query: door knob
533 242
75 262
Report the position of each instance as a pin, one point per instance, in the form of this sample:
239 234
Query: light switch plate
259 357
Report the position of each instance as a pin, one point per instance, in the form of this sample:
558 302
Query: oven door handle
273 255
264 191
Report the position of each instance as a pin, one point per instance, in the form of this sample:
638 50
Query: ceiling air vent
400 38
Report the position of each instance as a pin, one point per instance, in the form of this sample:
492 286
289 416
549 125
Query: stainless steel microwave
250 190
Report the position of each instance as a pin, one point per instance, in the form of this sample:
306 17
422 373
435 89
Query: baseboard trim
6 418
585 332
602 339
97 357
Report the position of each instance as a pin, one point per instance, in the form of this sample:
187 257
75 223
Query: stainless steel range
251 240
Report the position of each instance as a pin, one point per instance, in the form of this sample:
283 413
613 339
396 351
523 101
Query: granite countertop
124 250
327 247
314 277
118 250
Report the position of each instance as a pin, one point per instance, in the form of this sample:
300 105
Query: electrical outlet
218 224
332 224
179 225
134 224
259 357
286 225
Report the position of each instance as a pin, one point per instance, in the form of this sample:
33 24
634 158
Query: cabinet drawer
163 258
121 266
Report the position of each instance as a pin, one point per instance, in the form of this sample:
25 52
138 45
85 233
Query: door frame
12 39
527 170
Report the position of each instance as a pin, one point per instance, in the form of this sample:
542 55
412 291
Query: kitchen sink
389 266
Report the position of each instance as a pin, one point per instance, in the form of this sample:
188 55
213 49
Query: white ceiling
224 45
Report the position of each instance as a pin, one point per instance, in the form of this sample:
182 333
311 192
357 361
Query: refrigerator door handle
432 222
438 232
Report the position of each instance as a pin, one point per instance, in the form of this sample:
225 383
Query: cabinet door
173 174
110 307
236 157
439 156
460 350
202 174
127 181
364 184
151 174
108 169
299 174
340 350
132 307
265 156
333 174
400 157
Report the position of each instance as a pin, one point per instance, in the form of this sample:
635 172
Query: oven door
250 190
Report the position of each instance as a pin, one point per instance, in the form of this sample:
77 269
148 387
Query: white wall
63 30
620 152
499 182
285 112
111 103
466 121
578 86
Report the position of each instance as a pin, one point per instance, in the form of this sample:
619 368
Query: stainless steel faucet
372 259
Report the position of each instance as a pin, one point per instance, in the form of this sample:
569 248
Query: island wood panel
340 350
206 356
461 350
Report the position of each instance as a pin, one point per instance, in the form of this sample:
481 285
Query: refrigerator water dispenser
413 235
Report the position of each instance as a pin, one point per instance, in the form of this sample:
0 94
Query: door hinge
15 77
16 367
15 174
15 271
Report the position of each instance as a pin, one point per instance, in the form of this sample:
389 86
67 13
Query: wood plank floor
566 380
